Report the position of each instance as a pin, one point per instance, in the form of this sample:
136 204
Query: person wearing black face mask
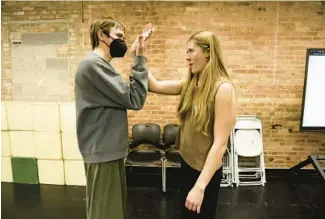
102 99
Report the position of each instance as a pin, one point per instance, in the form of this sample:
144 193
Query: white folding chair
248 142
227 170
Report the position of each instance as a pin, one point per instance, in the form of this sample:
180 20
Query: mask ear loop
102 32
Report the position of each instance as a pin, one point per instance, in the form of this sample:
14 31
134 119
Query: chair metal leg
263 170
236 170
163 162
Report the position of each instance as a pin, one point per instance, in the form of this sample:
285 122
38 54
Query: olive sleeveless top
194 146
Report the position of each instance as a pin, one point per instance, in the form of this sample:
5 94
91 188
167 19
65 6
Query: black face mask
117 48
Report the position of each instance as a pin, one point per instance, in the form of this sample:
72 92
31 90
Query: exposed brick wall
264 46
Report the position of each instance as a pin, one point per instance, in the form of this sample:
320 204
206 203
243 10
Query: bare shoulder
226 101
227 85
225 88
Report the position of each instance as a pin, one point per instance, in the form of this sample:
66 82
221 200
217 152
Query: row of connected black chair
154 151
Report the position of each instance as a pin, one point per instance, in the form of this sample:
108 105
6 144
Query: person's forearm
212 164
167 87
152 83
133 47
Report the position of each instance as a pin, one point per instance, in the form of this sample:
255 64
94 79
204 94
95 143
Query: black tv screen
313 101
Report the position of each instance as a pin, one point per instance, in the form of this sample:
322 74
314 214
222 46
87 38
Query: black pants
209 204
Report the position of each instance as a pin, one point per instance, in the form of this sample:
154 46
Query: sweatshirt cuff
140 60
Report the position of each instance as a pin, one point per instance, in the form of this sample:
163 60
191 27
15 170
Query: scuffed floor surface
281 198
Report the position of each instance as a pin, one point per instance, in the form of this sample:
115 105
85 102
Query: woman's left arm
225 119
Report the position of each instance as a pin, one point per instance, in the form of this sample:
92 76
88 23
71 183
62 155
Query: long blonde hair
199 104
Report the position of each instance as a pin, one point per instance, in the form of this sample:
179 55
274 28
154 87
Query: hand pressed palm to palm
146 34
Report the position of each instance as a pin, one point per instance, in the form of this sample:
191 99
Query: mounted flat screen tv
313 101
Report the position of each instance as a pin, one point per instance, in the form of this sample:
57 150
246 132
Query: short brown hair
105 25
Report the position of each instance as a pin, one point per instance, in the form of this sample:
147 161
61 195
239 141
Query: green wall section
24 170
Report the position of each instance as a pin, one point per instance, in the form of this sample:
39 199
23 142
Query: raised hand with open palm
141 43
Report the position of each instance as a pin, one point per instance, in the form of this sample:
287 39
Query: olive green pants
106 190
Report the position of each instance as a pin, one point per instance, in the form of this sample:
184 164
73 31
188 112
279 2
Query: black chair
171 150
145 135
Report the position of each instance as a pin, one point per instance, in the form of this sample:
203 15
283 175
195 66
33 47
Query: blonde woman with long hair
207 114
